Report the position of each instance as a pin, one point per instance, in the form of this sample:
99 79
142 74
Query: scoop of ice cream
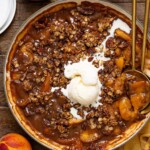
85 70
81 93
84 87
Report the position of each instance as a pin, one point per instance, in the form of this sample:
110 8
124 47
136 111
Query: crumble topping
39 84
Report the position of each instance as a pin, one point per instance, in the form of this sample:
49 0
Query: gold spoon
134 71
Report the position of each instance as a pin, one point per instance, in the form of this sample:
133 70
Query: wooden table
24 10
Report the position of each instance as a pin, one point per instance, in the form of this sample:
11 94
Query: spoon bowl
143 77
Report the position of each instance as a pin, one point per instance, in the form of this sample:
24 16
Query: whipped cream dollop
84 87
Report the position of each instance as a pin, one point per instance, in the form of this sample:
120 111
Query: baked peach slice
89 136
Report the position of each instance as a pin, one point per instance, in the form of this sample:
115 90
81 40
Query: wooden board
24 9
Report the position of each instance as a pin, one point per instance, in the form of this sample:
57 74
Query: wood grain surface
24 9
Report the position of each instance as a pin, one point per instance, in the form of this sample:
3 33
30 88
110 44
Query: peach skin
14 141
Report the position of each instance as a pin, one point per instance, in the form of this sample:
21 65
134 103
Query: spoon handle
145 33
133 32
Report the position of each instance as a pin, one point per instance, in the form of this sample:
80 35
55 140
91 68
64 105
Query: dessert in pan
66 79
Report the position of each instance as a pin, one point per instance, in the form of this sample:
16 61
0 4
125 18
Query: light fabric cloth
141 141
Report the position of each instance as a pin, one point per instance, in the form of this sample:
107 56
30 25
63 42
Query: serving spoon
134 71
